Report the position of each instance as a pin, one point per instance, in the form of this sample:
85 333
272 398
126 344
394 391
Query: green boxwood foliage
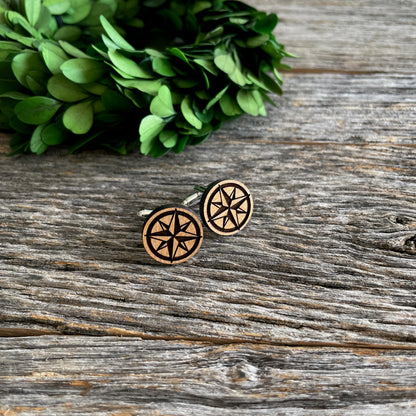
158 74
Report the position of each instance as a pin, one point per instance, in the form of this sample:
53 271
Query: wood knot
410 243
243 374
402 220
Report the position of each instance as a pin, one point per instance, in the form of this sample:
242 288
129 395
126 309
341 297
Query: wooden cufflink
171 234
225 206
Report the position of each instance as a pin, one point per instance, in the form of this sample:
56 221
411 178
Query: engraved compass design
226 207
172 234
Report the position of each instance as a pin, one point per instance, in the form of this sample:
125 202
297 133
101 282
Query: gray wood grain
347 35
269 322
335 108
329 255
87 375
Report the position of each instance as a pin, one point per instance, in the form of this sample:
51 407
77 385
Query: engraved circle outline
158 214
207 201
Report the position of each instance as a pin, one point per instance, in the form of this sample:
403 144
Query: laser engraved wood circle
172 234
226 207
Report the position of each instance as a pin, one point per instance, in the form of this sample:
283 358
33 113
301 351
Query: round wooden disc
226 207
172 234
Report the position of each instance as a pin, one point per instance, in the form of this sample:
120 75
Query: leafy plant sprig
158 74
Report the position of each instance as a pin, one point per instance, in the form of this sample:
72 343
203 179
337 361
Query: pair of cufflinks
173 233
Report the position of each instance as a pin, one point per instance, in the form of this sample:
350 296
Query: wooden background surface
311 310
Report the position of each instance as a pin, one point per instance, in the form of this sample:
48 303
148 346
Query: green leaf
150 127
248 102
238 77
19 143
54 56
217 97
79 117
277 75
189 114
259 98
168 138
15 95
36 144
199 139
109 43
207 65
24 40
57 7
239 20
147 86
68 33
161 105
115 36
158 149
229 106
19 126
273 49
267 24
257 41
99 109
28 64
135 97
205 116
46 25
17 19
180 145
127 65
199 6
78 11
179 54
9 46
185 83
32 10
63 89
225 61
36 110
72 50
215 33
82 142
155 53
35 83
52 135
105 8
162 67
115 102
256 81
146 146
95 88
271 84
82 70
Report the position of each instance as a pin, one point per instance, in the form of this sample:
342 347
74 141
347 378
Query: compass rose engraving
226 207
172 234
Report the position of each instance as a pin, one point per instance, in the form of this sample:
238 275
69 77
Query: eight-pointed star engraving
226 206
173 235
231 209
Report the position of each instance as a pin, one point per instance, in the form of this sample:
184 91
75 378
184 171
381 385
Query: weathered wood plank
84 375
329 255
329 258
347 35
336 108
